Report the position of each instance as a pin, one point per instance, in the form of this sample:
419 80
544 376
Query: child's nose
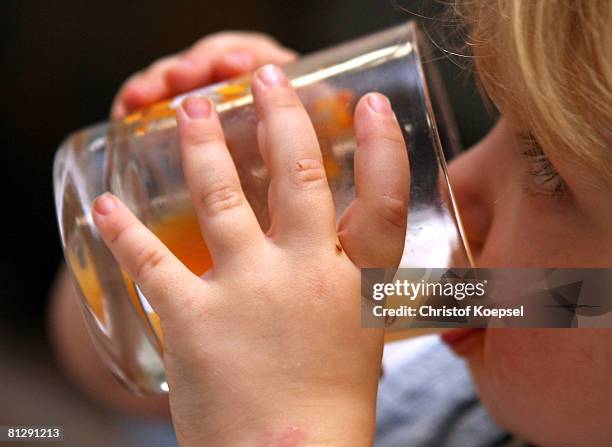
474 182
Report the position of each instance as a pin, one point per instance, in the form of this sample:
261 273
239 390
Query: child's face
554 387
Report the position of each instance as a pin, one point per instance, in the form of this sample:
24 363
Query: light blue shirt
426 398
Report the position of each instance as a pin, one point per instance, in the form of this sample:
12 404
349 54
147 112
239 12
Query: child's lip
461 340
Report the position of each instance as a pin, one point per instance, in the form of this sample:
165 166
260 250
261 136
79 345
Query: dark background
62 63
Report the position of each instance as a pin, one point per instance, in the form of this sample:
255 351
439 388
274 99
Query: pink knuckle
221 198
288 102
390 139
308 173
162 63
148 261
202 139
393 209
118 232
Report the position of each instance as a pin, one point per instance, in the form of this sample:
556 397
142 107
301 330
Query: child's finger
144 88
222 56
373 228
234 63
226 219
300 200
148 262
214 58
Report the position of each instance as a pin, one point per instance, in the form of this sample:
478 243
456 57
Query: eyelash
543 177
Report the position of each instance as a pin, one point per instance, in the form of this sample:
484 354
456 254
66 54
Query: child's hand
381 161
266 348
213 58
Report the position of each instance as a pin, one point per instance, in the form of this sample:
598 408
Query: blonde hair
547 65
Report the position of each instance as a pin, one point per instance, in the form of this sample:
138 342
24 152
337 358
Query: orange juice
180 232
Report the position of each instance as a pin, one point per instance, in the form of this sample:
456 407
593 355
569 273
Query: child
534 193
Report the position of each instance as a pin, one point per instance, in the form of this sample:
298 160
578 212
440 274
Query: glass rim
423 49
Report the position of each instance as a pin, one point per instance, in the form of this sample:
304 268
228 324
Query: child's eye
543 178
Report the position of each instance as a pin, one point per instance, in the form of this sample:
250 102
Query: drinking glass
138 160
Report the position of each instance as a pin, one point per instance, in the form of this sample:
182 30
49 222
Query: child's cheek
542 383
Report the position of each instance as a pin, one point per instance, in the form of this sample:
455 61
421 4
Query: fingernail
105 204
271 76
379 103
239 59
196 107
